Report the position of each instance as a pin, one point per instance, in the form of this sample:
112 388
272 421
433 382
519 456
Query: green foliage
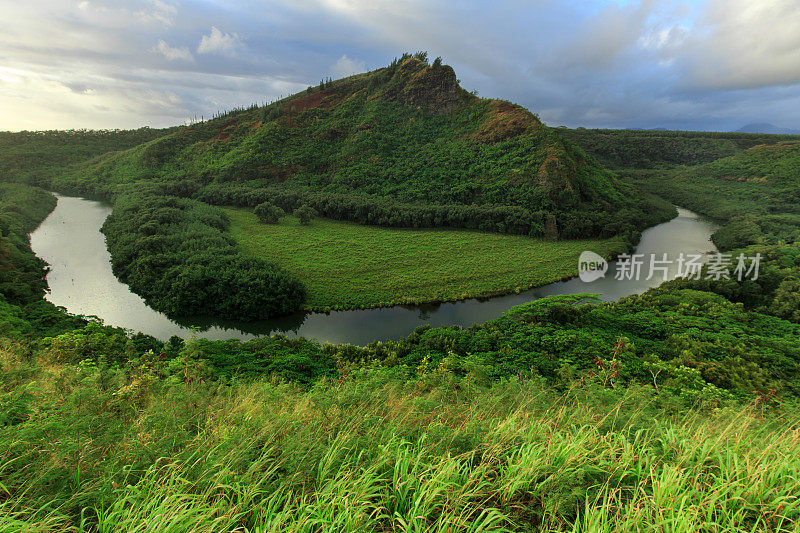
648 149
305 214
773 292
296 360
21 273
700 344
268 213
754 193
732 348
159 445
37 156
344 265
177 254
93 342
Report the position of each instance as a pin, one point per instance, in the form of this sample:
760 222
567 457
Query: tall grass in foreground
380 453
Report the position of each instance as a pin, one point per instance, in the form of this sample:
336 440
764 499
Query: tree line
175 252
648 149
382 211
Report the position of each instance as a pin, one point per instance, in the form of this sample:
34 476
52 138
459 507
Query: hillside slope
403 145
756 193
36 156
654 149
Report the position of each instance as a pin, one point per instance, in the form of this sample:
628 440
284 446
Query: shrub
306 214
268 213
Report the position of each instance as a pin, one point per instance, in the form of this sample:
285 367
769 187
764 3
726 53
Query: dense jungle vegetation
563 414
177 253
38 155
755 192
756 195
649 149
750 185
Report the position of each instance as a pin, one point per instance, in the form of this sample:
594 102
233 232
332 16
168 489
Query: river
82 282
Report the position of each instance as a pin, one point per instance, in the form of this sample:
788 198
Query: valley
184 365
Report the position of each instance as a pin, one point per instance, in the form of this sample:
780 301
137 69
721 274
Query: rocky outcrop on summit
434 88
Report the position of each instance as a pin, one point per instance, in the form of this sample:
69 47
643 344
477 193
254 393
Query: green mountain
777 164
403 145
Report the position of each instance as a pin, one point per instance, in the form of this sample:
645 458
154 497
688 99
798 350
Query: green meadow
346 265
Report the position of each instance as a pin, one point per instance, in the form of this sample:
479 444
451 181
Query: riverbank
81 281
347 266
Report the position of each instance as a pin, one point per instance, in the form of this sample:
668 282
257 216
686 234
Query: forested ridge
755 193
649 149
749 183
36 156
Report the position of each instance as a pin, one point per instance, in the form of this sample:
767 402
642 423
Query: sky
696 64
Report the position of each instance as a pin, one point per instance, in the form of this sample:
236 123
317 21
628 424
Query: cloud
607 36
218 42
37 100
158 11
173 53
88 69
606 63
746 45
345 66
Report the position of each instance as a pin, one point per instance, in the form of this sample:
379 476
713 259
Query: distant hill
756 192
765 127
777 164
30 155
403 145
650 149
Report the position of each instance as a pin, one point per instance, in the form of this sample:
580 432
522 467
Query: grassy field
346 265
374 452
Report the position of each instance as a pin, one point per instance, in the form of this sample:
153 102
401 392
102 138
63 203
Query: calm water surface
81 281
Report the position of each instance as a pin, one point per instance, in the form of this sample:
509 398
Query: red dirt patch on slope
505 120
223 134
317 99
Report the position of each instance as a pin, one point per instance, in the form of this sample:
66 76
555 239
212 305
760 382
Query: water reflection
81 280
